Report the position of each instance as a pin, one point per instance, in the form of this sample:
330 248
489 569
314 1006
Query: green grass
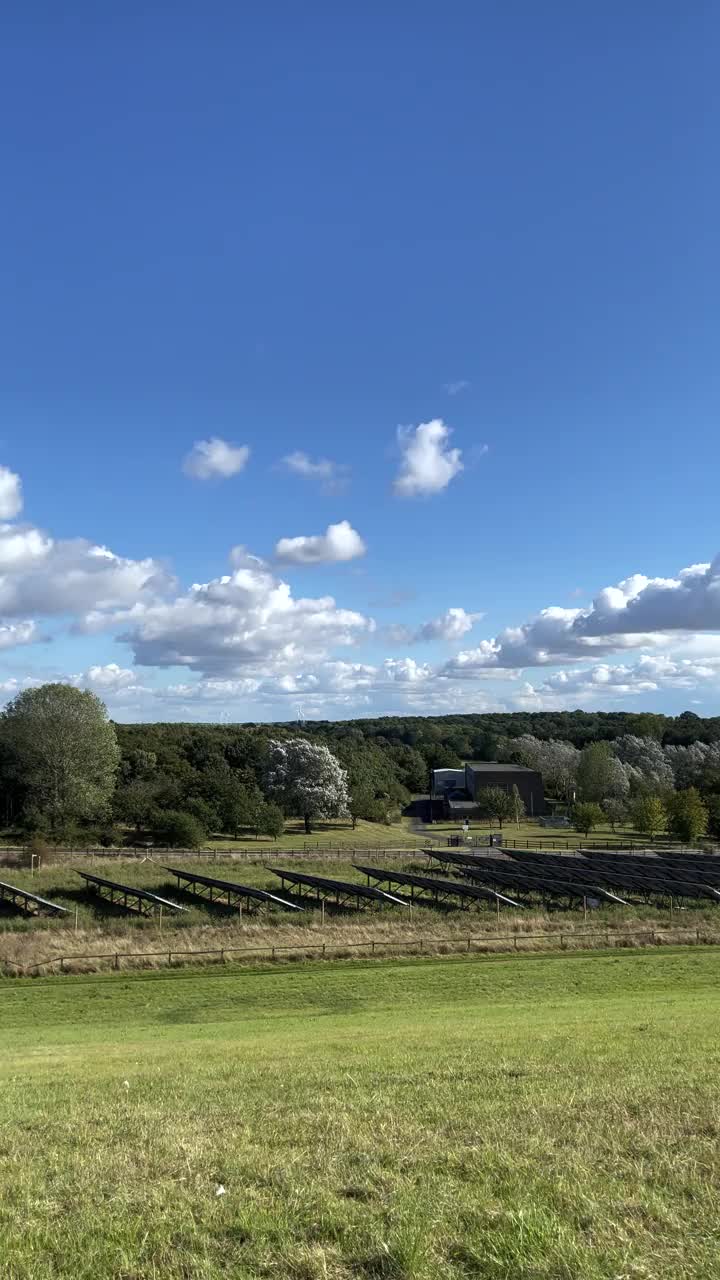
515 1119
540 837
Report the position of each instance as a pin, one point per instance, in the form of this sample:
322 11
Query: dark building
460 788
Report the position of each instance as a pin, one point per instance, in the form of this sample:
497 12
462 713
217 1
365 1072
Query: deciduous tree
63 751
306 779
586 815
687 815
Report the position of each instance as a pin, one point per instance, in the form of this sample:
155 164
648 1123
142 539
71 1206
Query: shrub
178 829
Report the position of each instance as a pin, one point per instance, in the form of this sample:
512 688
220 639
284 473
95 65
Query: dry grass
355 935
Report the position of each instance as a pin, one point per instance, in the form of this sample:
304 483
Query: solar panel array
436 887
119 895
193 882
607 876
341 890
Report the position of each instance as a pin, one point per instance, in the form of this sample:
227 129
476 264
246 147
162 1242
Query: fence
572 846
511 942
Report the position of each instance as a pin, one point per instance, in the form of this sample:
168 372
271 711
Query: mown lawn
515 1119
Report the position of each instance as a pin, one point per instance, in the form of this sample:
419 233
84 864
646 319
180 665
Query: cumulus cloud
238 625
331 475
427 464
635 613
215 458
450 626
43 577
10 494
338 542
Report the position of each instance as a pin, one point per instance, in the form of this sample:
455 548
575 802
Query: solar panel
10 893
340 888
432 884
143 894
230 887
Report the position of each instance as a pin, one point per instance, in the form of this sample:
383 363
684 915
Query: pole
322 912
76 919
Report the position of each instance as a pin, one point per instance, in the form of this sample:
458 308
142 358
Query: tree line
67 772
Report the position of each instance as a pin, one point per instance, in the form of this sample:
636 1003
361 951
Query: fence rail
508 942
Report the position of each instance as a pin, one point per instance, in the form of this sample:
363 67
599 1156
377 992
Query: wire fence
570 940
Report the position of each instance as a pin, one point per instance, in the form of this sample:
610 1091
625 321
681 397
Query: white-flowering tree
691 764
600 774
556 760
306 779
646 764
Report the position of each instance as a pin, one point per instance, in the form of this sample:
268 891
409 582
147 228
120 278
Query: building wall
528 782
448 780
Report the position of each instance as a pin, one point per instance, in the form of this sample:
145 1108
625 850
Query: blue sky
371 236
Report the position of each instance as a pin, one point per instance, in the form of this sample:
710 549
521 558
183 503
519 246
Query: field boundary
566 940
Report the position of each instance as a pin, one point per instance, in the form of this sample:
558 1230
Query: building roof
495 766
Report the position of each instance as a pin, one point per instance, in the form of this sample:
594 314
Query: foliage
557 762
586 815
62 752
600 774
713 808
687 815
518 805
645 763
494 802
306 779
649 815
179 830
615 810
269 820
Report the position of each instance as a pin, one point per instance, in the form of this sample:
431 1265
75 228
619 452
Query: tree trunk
308 828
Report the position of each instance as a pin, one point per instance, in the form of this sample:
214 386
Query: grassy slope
514 1120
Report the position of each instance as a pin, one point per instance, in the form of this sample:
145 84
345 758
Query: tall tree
586 815
615 810
306 779
518 805
63 749
495 802
687 815
600 773
649 815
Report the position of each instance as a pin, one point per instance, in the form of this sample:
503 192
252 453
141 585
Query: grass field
515 1119
325 835
540 837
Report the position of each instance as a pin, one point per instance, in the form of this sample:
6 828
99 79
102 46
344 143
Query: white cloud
13 634
332 475
338 542
454 388
43 577
213 458
427 465
450 626
243 624
638 612
11 500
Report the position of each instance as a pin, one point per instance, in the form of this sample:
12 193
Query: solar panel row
573 875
